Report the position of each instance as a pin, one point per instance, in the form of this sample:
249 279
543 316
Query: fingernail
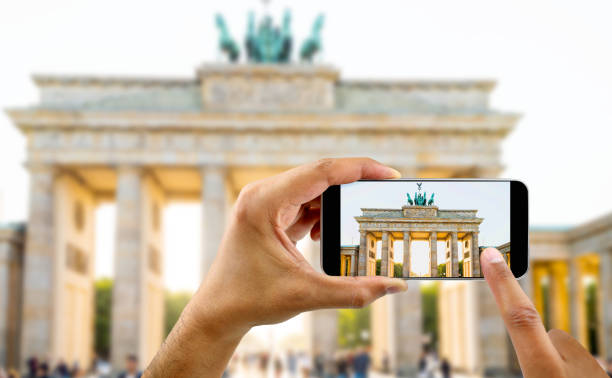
492 256
395 173
397 287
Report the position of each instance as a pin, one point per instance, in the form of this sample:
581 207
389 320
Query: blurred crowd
345 364
100 368
355 363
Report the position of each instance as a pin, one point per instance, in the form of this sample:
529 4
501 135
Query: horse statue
431 200
226 42
312 44
409 199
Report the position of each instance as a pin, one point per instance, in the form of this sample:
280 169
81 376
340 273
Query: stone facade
144 142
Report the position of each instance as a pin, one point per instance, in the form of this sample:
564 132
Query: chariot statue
268 43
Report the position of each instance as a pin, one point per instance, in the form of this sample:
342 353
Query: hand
259 276
540 354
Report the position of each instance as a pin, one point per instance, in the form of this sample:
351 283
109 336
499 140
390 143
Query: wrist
208 315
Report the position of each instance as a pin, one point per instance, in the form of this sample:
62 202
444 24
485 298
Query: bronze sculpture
226 42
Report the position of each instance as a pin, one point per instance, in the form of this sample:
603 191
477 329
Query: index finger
533 347
306 182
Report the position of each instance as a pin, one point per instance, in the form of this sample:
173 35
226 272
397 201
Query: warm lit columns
37 319
137 310
433 254
559 296
214 209
406 258
363 254
475 254
576 298
605 287
386 261
453 255
127 289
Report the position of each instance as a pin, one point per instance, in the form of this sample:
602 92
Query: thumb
355 292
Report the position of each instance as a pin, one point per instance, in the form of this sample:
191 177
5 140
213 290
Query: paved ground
379 375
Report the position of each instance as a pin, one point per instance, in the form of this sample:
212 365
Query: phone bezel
519 228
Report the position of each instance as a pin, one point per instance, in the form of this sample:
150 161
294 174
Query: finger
307 182
579 362
354 292
315 233
568 347
304 224
532 345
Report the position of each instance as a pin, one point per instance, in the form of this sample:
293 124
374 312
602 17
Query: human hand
259 276
540 354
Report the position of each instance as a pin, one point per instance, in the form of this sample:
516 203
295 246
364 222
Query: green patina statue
409 199
269 44
226 42
313 43
431 200
420 199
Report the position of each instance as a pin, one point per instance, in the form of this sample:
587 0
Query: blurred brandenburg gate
145 142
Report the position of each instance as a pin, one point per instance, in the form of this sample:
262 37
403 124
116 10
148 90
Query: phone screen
422 229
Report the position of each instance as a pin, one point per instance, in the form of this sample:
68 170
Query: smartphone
423 229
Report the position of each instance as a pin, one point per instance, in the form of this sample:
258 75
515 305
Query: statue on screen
420 199
431 200
409 199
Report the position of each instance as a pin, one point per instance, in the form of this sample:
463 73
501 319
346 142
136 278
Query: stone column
38 285
363 254
572 286
214 206
605 278
6 255
384 260
406 259
454 258
127 310
321 326
433 253
475 253
353 267
11 294
407 329
495 350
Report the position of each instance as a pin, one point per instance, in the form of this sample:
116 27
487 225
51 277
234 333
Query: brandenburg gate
418 222
144 142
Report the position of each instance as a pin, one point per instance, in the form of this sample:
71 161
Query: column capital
129 168
214 167
41 167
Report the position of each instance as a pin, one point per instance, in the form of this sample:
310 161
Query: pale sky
491 199
551 60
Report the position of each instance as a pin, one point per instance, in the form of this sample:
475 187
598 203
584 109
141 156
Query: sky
551 60
491 199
